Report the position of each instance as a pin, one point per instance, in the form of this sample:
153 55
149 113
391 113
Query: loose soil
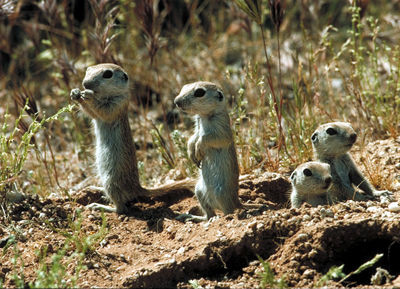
150 248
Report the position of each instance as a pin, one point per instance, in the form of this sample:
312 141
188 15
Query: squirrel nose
353 137
328 181
178 102
89 84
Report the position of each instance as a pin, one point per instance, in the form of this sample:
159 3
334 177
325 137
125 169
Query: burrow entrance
364 251
356 244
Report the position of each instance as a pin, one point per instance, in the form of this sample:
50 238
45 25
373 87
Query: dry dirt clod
394 207
310 238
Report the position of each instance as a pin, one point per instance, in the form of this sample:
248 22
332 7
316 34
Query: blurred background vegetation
323 60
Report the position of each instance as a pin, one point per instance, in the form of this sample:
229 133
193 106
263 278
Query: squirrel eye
220 96
126 77
199 92
331 131
107 74
307 172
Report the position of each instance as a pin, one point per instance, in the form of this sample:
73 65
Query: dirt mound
150 248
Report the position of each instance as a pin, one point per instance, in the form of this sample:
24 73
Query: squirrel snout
178 102
89 84
353 137
327 181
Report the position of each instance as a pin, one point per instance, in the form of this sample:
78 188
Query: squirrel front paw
192 156
199 150
78 95
385 194
75 94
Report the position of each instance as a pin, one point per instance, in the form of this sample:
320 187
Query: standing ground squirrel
331 143
310 184
105 99
211 148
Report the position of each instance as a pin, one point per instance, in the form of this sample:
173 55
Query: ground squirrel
211 148
105 99
310 184
331 143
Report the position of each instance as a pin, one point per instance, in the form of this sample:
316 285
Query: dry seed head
277 8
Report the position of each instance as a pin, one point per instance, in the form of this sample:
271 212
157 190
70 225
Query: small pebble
286 215
309 273
312 253
370 204
252 225
181 250
373 209
302 237
103 243
394 207
384 200
24 222
387 215
326 213
347 216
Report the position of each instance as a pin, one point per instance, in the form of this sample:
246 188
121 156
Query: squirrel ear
220 96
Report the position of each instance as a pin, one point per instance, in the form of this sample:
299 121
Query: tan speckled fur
211 148
332 143
310 184
105 99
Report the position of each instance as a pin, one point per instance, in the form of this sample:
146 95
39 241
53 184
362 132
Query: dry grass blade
277 8
23 97
67 67
105 12
254 11
150 20
252 8
25 100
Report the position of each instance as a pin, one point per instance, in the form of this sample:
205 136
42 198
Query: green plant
361 268
161 145
254 9
82 242
195 284
336 272
373 94
15 148
268 279
55 274
181 144
52 271
18 264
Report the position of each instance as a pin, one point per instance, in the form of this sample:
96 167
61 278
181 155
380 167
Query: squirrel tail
183 185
